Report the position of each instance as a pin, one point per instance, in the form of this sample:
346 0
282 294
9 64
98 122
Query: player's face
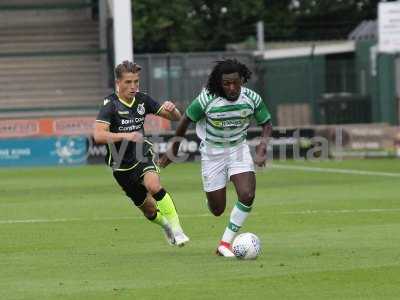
128 85
231 84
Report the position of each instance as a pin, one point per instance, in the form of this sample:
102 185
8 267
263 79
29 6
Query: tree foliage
330 19
207 25
190 25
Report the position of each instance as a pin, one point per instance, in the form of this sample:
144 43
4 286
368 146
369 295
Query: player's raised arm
180 132
169 111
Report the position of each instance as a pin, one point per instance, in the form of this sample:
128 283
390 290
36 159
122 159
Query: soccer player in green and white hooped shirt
222 113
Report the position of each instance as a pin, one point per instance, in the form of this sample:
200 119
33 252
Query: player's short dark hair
126 67
225 66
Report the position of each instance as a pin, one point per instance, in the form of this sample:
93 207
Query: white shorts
219 164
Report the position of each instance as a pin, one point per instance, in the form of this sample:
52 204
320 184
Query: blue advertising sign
43 151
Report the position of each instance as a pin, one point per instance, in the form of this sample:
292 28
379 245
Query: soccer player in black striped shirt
119 124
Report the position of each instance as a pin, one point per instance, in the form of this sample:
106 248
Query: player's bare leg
148 207
216 201
165 204
245 185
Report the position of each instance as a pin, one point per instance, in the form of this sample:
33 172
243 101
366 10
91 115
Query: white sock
238 216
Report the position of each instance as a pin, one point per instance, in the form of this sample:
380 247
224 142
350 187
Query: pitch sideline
332 170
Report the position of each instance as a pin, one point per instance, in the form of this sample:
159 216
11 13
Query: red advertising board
73 126
66 127
19 128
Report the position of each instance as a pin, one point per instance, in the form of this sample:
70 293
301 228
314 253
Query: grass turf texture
70 233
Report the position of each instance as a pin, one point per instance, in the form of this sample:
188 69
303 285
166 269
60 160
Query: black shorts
131 181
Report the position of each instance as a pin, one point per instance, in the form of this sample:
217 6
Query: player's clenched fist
169 106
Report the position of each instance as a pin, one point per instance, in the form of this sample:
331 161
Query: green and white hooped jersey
224 123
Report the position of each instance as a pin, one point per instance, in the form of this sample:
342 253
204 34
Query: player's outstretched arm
261 148
169 111
172 152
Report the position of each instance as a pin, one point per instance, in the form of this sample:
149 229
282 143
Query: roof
312 48
366 30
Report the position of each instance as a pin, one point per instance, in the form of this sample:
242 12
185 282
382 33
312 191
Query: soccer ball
246 246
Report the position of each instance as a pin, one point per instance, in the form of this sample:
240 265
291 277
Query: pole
123 40
260 36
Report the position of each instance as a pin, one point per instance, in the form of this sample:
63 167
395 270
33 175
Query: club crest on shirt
140 109
243 113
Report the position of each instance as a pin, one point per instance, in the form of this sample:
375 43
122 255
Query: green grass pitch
70 233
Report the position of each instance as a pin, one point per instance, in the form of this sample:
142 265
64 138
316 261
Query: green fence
300 90
352 87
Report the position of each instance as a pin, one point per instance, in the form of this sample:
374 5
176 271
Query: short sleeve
195 111
106 112
261 113
152 106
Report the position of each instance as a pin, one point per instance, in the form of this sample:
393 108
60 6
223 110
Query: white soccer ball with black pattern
246 246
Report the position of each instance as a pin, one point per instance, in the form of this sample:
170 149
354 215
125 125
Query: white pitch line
340 211
340 171
93 219
61 220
